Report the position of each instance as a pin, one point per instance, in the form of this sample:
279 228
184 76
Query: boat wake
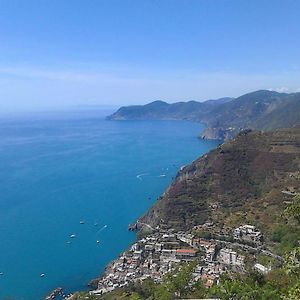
101 229
141 175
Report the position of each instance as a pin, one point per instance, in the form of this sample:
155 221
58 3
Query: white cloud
282 89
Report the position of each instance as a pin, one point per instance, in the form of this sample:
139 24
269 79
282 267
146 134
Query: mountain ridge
224 117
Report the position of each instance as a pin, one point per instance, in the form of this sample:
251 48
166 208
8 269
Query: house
158 247
186 254
209 280
186 238
201 243
248 233
229 257
210 253
261 269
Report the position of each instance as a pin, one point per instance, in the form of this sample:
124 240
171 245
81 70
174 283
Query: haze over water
59 169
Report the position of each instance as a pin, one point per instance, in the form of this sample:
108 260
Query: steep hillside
263 110
246 109
284 115
240 181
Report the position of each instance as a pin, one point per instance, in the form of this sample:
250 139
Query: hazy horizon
64 54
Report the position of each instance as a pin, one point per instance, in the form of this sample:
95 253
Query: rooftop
186 251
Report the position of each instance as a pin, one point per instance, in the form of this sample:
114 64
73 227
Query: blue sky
63 53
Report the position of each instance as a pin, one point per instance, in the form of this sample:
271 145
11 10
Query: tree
293 210
292 262
135 296
162 293
293 292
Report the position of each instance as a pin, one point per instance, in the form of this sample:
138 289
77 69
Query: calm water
56 170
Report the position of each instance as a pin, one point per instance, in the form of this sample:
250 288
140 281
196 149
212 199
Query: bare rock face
219 133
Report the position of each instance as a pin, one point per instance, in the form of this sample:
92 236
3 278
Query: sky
69 53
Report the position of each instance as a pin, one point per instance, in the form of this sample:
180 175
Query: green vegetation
293 211
267 261
286 237
84 296
204 234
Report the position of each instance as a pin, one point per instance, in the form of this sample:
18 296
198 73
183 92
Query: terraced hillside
249 179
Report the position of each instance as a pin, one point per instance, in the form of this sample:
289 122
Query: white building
247 233
229 257
262 269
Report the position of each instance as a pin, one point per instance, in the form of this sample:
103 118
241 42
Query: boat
72 236
42 275
97 242
1 273
81 222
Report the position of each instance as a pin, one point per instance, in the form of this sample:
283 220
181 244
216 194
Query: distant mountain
160 110
246 111
224 117
218 101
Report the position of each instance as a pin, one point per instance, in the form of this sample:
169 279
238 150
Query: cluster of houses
248 233
159 253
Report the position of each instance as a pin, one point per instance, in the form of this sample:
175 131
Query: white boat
72 236
81 222
42 275
97 242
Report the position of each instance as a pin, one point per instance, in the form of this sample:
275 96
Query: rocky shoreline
58 292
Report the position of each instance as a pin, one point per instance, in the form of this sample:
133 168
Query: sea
71 183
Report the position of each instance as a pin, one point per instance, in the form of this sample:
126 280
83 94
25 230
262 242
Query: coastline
139 228
214 247
173 162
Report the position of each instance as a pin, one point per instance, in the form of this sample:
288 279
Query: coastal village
212 248
162 251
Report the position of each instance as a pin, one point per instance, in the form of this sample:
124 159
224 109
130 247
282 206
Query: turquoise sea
57 169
